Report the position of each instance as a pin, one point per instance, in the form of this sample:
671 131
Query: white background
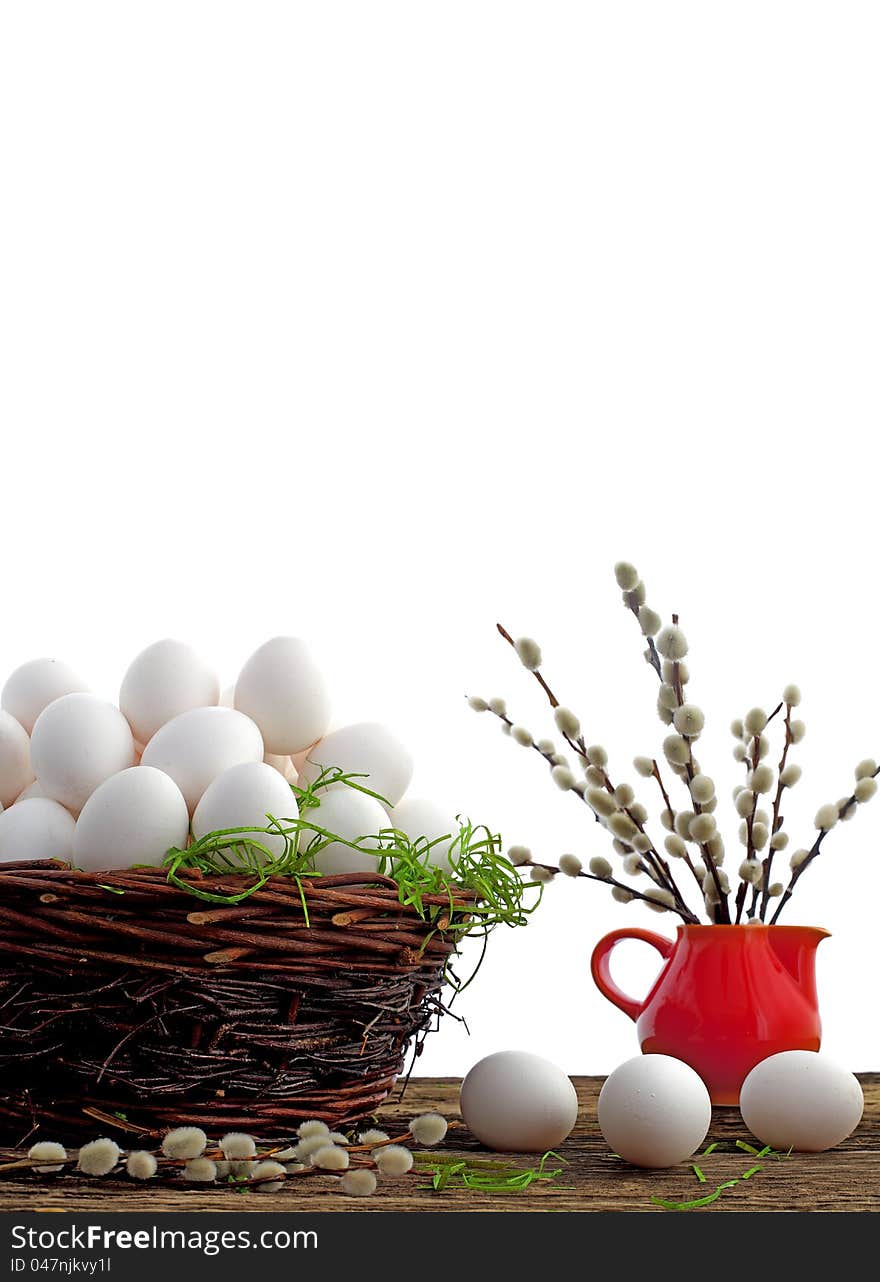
379 322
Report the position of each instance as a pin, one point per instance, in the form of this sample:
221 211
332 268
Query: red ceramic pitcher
726 997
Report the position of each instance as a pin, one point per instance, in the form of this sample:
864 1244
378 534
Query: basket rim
307 884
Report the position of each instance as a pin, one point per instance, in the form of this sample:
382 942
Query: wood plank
846 1179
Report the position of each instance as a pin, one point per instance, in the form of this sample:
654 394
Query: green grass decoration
475 857
694 1204
697 1201
485 1176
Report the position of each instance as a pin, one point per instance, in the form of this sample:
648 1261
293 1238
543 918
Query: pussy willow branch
654 868
668 804
815 849
777 821
632 604
720 912
654 860
577 745
554 702
546 756
751 853
683 912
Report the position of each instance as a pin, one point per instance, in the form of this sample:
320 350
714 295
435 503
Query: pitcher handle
600 965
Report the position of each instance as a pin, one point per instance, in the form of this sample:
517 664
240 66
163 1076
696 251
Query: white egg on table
281 688
246 794
516 1102
16 769
801 1100
367 749
36 829
654 1111
167 678
424 822
77 743
134 817
349 814
197 746
36 684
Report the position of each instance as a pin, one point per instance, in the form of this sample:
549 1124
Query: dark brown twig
777 821
815 849
683 912
668 804
655 865
721 911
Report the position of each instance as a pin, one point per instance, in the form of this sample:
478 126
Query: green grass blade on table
486 1175
696 1202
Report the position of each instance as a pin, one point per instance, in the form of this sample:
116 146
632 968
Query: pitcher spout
795 946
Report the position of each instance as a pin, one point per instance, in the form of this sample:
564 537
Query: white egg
199 745
282 690
133 818
654 1111
516 1102
35 685
423 822
801 1100
77 743
347 813
36 829
244 795
299 759
367 749
16 770
34 789
164 680
284 766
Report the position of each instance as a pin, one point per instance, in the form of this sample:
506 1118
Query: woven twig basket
151 1008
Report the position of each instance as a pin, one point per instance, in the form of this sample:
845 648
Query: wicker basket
125 999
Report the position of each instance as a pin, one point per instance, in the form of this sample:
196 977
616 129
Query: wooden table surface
846 1179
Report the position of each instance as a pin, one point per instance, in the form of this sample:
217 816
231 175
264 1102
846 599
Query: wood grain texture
846 1179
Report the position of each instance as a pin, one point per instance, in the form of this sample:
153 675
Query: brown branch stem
684 912
777 820
721 913
751 853
815 849
668 805
657 868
